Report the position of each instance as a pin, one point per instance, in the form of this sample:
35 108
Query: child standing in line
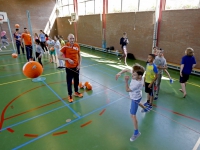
39 51
135 92
57 47
161 64
52 52
150 77
4 40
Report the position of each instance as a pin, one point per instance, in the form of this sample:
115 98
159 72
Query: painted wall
180 29
40 11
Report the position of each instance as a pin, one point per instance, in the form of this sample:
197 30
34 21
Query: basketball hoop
70 21
73 18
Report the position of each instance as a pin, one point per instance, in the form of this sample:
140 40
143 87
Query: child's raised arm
121 72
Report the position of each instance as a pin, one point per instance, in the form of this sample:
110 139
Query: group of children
156 65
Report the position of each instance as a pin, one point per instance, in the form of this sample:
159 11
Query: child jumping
135 92
4 40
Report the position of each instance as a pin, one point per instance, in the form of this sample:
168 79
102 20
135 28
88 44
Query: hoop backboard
3 16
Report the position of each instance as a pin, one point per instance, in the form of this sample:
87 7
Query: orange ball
52 49
17 26
89 86
81 86
14 55
32 69
86 83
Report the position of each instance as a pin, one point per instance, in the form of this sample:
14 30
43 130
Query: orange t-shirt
27 38
71 53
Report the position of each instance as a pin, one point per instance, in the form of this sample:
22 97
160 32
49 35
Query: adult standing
17 37
188 62
42 39
123 42
28 44
71 54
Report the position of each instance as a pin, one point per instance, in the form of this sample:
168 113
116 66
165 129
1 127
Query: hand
150 85
78 67
70 61
181 74
126 78
117 76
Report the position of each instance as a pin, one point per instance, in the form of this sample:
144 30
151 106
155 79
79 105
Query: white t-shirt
136 88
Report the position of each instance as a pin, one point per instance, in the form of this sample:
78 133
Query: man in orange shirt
71 54
28 43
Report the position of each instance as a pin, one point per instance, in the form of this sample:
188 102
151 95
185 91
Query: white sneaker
0 49
5 47
134 137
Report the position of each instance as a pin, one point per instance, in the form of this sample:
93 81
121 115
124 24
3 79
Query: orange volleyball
52 49
81 86
17 26
89 86
14 55
32 69
86 83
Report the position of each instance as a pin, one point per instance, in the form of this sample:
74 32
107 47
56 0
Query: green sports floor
34 114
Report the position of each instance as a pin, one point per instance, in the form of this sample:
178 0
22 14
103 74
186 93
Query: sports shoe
145 110
0 49
70 99
171 80
119 59
156 97
149 107
5 47
78 94
146 104
134 137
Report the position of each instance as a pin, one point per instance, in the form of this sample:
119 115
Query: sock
148 101
136 132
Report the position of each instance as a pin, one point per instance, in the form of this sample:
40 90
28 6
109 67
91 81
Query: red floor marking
59 133
177 113
31 110
6 107
31 135
10 130
102 112
85 124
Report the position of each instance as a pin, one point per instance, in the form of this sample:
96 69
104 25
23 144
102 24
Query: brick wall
40 11
180 29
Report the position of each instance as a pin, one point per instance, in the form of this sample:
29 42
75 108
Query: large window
182 4
114 6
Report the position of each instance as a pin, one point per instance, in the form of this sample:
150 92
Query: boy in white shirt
135 92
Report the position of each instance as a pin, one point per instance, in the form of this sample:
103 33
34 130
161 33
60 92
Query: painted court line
10 130
85 124
197 144
52 110
31 135
54 130
59 133
61 99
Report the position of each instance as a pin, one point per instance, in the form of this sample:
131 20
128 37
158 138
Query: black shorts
149 90
184 78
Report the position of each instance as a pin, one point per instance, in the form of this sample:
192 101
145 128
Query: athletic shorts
184 78
149 90
124 49
52 52
134 106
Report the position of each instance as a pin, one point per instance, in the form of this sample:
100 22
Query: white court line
197 144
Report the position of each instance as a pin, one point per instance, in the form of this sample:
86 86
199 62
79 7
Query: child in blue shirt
188 62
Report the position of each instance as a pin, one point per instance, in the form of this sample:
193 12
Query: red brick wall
40 11
180 29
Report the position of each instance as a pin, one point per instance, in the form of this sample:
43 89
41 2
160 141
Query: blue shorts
134 106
